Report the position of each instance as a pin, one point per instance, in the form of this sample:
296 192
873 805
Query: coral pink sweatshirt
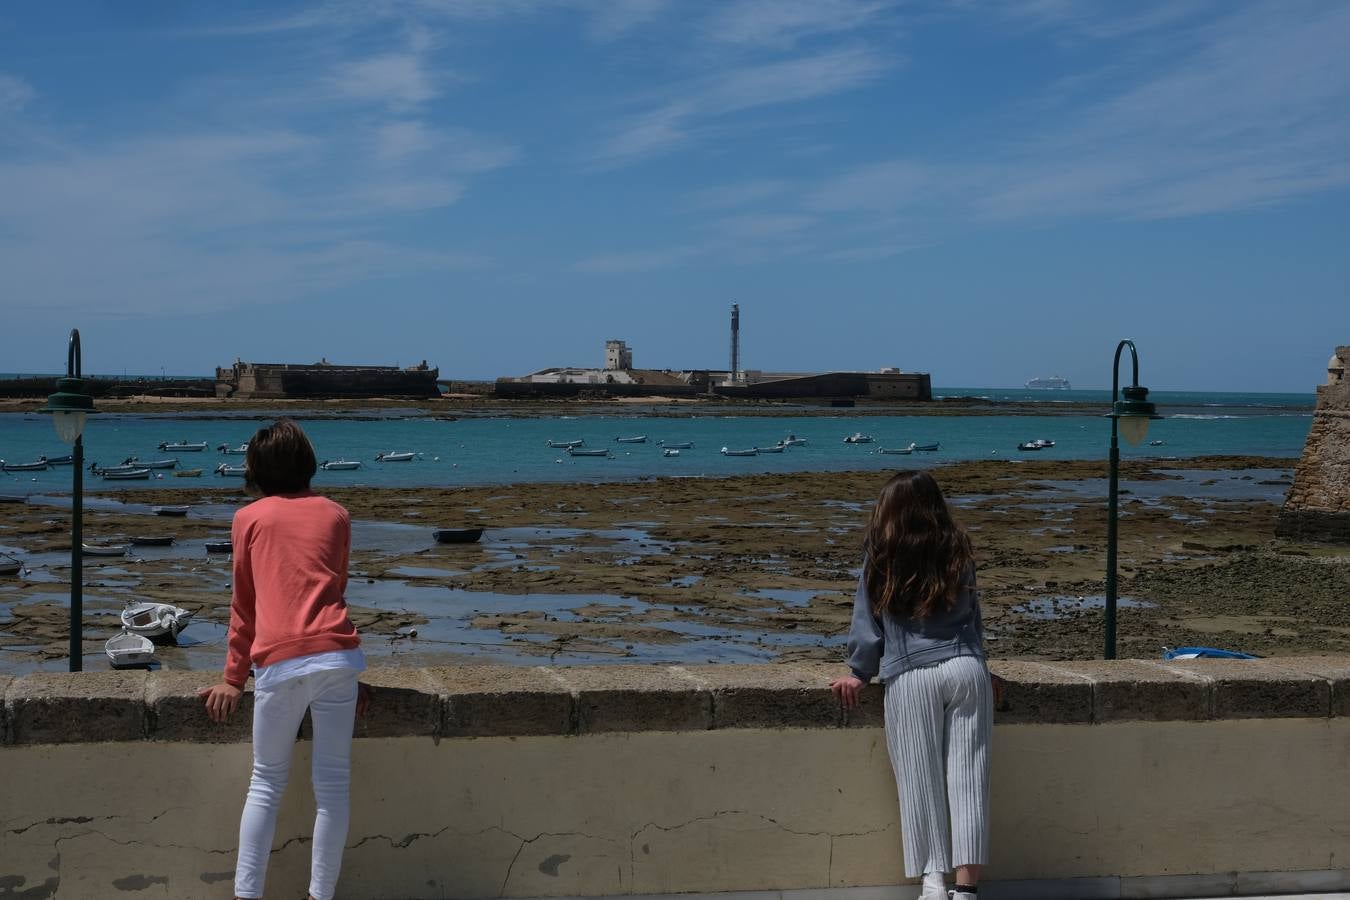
290 574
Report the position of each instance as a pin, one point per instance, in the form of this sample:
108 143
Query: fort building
1318 505
249 381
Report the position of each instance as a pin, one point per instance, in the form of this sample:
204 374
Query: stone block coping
518 701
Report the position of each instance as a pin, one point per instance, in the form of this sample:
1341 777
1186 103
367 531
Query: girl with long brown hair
916 624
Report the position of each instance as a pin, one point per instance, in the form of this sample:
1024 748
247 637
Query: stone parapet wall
1126 778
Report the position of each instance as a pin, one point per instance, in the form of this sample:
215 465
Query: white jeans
330 697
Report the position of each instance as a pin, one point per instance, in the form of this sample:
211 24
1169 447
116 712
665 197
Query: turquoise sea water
490 450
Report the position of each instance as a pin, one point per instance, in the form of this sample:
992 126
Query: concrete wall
1318 505
1130 778
267 381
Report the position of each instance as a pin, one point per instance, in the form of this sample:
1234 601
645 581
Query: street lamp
69 408
1130 416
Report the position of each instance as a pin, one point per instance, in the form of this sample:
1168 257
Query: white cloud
731 196
15 93
399 80
784 23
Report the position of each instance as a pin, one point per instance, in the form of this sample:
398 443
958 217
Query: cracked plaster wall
660 812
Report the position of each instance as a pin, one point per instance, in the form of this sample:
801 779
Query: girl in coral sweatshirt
289 624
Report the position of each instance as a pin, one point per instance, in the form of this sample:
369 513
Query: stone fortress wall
1128 778
1318 505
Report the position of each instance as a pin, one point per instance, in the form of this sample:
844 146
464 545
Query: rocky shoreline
757 567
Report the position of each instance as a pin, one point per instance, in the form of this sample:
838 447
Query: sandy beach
752 567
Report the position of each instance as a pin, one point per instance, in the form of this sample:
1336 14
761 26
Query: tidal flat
744 568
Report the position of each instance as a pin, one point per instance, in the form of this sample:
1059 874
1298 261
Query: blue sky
987 191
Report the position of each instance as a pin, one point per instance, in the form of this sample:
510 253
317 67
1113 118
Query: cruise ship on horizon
1053 383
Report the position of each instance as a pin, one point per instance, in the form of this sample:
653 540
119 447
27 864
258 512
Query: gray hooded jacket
889 645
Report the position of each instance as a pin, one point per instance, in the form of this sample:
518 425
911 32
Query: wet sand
745 568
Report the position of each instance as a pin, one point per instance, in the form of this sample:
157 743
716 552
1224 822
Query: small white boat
1029 445
126 649
227 469
897 451
39 465
394 457
169 510
152 463
226 546
777 448
339 465
858 437
565 445
237 451
793 441
637 439
578 451
151 619
924 448
670 451
1156 443
753 451
105 549
677 445
113 470
182 446
121 474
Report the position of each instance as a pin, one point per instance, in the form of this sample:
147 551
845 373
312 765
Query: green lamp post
69 407
1130 415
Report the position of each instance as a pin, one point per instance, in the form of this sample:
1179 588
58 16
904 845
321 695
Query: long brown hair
917 555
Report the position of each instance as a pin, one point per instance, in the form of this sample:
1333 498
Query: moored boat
188 473
151 463
457 535
105 549
793 441
65 460
1029 445
220 546
671 451
677 445
182 446
124 474
151 619
38 465
177 511
752 451
237 451
777 448
579 451
10 566
235 471
858 437
636 439
339 465
565 445
126 650
924 448
394 457
146 540
896 451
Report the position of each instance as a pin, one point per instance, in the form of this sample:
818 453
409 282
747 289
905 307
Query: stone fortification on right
1318 505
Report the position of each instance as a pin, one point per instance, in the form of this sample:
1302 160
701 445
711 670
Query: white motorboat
105 549
339 465
224 546
126 650
578 451
858 437
924 448
394 457
182 446
753 451
636 439
236 451
152 463
152 619
235 471
897 451
1029 445
677 445
777 448
1156 443
793 441
169 510
565 445
670 451
38 465
121 474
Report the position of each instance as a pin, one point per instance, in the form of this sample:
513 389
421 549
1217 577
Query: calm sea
487 450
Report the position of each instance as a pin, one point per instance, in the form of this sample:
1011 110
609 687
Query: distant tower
735 343
618 356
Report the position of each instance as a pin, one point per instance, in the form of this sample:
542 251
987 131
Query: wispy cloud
15 93
741 89
627 262
783 24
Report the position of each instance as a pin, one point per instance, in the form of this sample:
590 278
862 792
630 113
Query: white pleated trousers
938 724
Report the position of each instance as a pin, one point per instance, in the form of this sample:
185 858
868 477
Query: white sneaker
934 887
960 895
